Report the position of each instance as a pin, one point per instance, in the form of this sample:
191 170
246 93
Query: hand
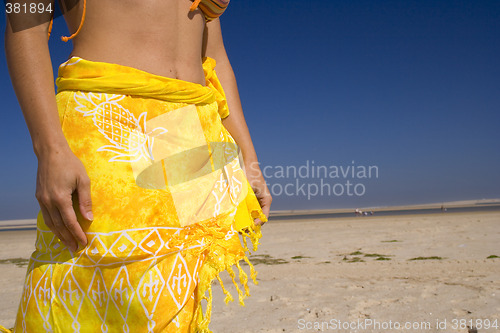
259 186
60 175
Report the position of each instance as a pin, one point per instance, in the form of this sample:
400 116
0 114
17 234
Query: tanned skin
157 36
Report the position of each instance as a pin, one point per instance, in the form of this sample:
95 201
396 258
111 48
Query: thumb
84 199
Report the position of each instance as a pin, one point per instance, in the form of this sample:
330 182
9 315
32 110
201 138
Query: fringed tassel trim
204 320
211 270
4 330
254 236
202 325
243 279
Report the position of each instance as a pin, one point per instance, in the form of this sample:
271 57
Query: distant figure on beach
359 212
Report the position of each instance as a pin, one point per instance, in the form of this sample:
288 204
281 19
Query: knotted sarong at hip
170 199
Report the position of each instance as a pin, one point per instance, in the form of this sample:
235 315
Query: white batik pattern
122 294
71 295
99 296
230 184
127 247
130 139
149 292
44 292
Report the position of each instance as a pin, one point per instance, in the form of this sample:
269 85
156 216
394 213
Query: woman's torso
161 37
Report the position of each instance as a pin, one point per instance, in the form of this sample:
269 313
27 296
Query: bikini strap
194 5
65 38
50 25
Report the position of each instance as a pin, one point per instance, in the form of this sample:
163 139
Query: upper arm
213 42
22 17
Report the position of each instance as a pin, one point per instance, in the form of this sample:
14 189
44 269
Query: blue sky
411 88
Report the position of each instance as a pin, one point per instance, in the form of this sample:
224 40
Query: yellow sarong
170 201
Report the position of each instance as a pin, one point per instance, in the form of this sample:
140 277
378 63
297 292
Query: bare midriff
161 37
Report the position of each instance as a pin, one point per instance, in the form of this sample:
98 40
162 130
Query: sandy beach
432 273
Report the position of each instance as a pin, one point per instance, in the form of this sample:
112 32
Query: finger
258 222
49 223
266 208
71 224
265 203
58 226
84 198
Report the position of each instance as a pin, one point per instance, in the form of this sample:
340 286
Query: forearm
235 123
30 69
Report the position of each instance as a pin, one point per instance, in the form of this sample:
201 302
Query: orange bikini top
211 9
